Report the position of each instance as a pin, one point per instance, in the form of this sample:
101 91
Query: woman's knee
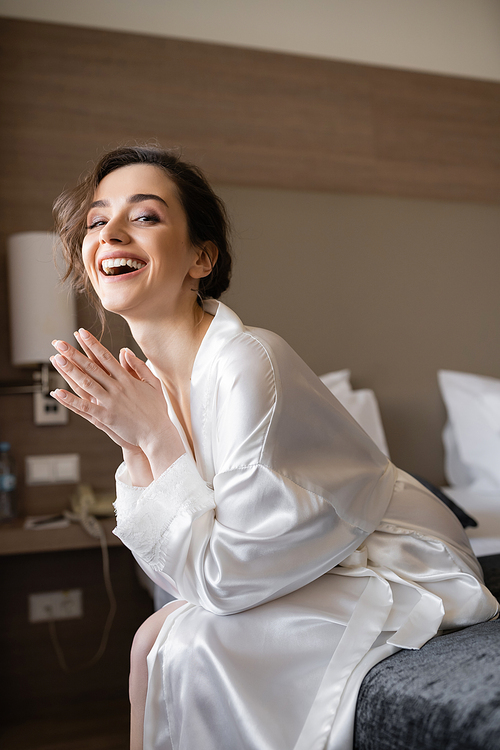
147 634
138 684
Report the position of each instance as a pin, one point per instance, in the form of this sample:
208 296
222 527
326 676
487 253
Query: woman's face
137 251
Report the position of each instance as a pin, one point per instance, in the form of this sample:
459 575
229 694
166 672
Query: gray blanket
446 696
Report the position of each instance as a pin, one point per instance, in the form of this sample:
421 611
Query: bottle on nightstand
8 505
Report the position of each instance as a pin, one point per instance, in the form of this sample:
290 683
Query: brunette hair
206 214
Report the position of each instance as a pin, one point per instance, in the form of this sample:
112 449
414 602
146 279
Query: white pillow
362 405
471 436
338 382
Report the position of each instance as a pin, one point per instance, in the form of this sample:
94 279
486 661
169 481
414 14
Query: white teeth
109 263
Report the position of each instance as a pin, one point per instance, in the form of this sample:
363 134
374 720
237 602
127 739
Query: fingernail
60 360
83 333
62 345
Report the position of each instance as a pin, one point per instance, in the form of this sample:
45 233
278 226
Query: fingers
85 379
97 361
138 368
79 391
98 353
100 364
63 397
68 400
87 351
85 408
123 361
86 363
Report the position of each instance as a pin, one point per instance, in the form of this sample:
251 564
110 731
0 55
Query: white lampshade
41 307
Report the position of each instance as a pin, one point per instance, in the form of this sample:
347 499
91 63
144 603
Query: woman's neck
171 344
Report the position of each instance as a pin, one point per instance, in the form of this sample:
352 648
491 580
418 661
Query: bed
446 696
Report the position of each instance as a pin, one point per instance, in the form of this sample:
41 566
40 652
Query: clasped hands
122 398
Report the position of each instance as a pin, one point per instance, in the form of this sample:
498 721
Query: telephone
86 505
85 500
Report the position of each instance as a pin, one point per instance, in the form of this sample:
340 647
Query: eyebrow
137 198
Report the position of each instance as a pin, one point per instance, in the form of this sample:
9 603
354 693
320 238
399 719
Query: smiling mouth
120 266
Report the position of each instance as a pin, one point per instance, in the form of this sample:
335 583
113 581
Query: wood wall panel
251 117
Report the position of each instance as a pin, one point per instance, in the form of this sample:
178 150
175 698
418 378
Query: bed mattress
485 508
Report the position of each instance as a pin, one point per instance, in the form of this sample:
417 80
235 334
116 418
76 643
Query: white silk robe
304 556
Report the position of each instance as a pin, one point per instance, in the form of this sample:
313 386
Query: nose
113 232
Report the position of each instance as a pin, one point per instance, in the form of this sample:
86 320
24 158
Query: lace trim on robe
144 514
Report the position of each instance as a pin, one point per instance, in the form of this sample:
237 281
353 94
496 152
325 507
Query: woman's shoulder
256 352
251 343
247 361
254 361
239 343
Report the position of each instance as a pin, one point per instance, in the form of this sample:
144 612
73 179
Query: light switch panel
63 468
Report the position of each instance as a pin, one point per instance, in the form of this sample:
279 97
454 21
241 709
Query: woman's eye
95 223
147 217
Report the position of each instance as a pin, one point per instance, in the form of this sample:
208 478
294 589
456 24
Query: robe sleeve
259 532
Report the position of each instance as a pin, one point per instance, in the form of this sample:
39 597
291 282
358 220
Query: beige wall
393 289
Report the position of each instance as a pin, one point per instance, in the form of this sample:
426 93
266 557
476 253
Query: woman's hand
138 466
124 399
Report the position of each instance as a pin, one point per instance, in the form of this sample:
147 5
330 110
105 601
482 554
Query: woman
300 556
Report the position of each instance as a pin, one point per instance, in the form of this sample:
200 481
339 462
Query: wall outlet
55 605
